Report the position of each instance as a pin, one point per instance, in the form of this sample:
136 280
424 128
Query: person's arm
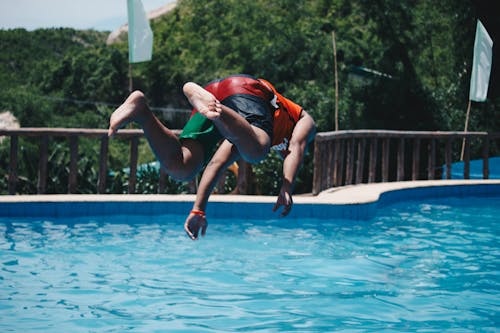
302 134
223 157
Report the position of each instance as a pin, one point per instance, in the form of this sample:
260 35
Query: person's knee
259 150
258 153
137 94
185 165
182 171
138 97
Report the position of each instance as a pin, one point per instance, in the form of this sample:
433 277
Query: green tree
64 77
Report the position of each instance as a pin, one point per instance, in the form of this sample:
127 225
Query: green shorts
204 131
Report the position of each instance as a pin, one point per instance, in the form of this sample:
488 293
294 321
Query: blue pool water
430 266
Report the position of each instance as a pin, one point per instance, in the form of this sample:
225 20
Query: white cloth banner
140 35
481 64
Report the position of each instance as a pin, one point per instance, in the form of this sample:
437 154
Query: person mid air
239 116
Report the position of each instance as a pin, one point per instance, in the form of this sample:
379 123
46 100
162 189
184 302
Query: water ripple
425 266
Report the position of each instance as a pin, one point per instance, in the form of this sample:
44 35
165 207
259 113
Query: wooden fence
72 135
354 157
340 158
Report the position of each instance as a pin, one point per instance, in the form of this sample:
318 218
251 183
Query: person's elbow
312 128
298 147
307 126
312 131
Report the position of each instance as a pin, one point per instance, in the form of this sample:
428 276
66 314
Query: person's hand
195 221
285 200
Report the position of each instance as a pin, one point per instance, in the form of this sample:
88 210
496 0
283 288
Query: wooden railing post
401 160
245 176
416 159
341 163
73 164
162 181
132 180
431 165
485 152
386 144
372 168
466 158
336 163
317 165
13 164
349 161
103 165
447 158
42 165
361 161
193 184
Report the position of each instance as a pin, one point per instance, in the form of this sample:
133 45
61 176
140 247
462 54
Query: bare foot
202 100
131 110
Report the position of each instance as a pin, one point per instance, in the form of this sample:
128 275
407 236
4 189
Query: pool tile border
359 202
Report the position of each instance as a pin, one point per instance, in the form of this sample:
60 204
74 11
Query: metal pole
130 81
465 130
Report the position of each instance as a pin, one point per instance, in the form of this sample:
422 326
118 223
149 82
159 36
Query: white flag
140 35
481 64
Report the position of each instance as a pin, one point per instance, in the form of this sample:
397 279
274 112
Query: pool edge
358 202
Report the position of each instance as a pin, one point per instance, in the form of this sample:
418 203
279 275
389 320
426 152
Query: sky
104 15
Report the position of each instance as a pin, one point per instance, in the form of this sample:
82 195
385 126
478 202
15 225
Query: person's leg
180 160
252 142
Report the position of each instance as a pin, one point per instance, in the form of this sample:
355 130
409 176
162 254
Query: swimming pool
430 265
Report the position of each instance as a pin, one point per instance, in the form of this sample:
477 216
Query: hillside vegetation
402 65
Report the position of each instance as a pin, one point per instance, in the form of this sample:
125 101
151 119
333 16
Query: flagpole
336 82
130 80
465 130
480 74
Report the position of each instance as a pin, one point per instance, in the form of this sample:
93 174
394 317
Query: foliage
70 78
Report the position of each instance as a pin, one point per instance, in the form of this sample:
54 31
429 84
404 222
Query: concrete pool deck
352 202
345 195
